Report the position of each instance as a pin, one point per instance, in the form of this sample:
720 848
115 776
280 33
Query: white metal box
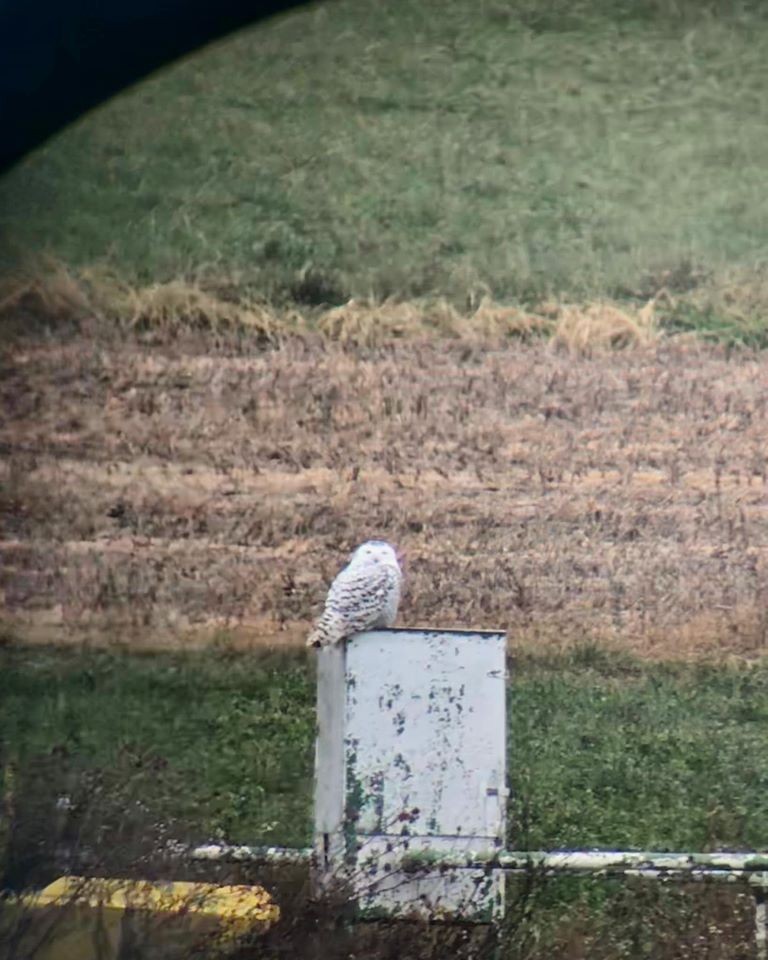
411 761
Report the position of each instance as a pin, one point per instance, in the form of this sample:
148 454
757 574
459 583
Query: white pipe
723 865
278 855
615 861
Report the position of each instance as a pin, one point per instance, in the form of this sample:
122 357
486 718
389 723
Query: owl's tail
329 630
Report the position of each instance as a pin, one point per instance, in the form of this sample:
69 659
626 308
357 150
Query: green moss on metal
353 805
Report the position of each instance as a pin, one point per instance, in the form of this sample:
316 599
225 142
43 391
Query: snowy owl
364 595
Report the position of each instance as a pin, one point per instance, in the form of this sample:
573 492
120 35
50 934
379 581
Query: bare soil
170 491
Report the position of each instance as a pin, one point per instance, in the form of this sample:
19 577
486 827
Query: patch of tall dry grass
54 292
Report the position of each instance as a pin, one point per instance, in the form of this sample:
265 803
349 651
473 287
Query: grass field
559 414
519 150
605 750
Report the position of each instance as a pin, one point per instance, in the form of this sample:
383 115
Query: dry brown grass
600 326
51 290
177 306
209 488
46 287
363 323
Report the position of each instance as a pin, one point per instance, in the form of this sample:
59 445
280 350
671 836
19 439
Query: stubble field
208 491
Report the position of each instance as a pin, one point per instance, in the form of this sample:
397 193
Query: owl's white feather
365 595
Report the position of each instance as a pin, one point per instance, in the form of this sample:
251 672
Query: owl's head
376 551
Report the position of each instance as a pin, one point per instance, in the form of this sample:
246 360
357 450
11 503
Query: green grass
611 753
220 744
603 751
521 149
